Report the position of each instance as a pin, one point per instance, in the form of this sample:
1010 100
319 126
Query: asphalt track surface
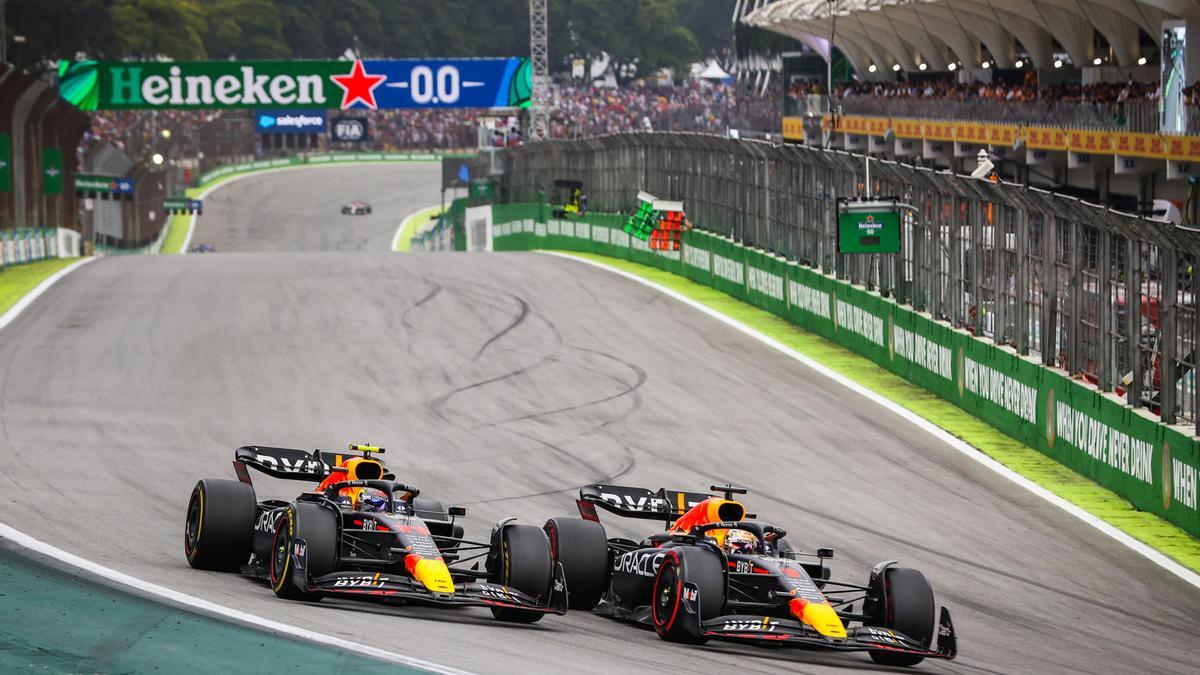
503 382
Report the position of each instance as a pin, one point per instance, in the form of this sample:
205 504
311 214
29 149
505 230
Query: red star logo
358 86
870 218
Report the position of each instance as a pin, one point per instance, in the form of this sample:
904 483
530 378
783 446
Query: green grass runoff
1062 481
416 222
17 280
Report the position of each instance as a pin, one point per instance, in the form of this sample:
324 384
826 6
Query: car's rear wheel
581 547
317 527
684 565
218 533
524 563
905 604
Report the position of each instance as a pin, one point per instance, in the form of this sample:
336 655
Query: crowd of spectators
1025 90
590 111
577 111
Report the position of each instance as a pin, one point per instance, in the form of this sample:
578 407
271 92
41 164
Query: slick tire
525 564
907 607
218 533
317 526
686 564
581 547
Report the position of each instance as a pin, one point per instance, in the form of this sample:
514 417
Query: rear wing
290 463
636 502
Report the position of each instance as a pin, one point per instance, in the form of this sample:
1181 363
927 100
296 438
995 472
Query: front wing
742 627
379 586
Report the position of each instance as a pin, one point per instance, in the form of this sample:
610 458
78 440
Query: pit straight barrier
1150 464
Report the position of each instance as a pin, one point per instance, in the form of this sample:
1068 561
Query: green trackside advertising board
1155 467
868 230
5 163
52 178
330 158
372 84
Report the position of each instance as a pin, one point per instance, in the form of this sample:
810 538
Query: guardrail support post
1166 389
1133 314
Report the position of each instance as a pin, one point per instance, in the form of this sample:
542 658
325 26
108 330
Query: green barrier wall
1148 463
326 158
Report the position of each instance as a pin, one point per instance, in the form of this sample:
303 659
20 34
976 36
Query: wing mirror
457 511
825 553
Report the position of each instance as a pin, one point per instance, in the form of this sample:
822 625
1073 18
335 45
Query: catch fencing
1107 297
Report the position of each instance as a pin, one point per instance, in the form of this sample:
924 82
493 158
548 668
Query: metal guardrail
1108 297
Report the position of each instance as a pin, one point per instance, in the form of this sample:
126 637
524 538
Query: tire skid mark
438 405
640 379
521 316
436 289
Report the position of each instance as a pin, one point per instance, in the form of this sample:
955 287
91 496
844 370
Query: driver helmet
372 500
741 541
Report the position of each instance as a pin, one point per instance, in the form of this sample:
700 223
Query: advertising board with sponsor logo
1154 466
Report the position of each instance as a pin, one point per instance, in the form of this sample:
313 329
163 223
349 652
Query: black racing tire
218 532
317 526
907 608
581 547
524 563
684 564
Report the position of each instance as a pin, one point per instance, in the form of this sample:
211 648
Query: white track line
187 240
37 291
18 537
404 224
1154 555
238 616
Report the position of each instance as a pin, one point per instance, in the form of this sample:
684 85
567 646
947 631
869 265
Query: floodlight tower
539 52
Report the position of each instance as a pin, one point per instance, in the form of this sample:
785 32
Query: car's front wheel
316 527
524 563
683 567
903 601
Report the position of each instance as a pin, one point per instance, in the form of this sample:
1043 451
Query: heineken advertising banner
1155 467
5 163
52 179
448 83
333 158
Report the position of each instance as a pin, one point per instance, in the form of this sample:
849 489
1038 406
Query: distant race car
362 534
356 208
716 573
201 248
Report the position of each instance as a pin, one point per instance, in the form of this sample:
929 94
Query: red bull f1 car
362 534
718 573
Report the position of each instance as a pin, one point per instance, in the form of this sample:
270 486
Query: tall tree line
648 33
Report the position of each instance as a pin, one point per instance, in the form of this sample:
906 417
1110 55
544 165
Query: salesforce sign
289 121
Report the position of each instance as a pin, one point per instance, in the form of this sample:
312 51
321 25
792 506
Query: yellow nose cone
433 574
820 616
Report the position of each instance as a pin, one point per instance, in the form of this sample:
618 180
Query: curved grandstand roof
909 32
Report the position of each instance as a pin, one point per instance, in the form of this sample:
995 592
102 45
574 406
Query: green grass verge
1030 463
17 280
414 224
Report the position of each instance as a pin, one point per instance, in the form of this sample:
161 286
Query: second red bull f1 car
362 534
718 573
